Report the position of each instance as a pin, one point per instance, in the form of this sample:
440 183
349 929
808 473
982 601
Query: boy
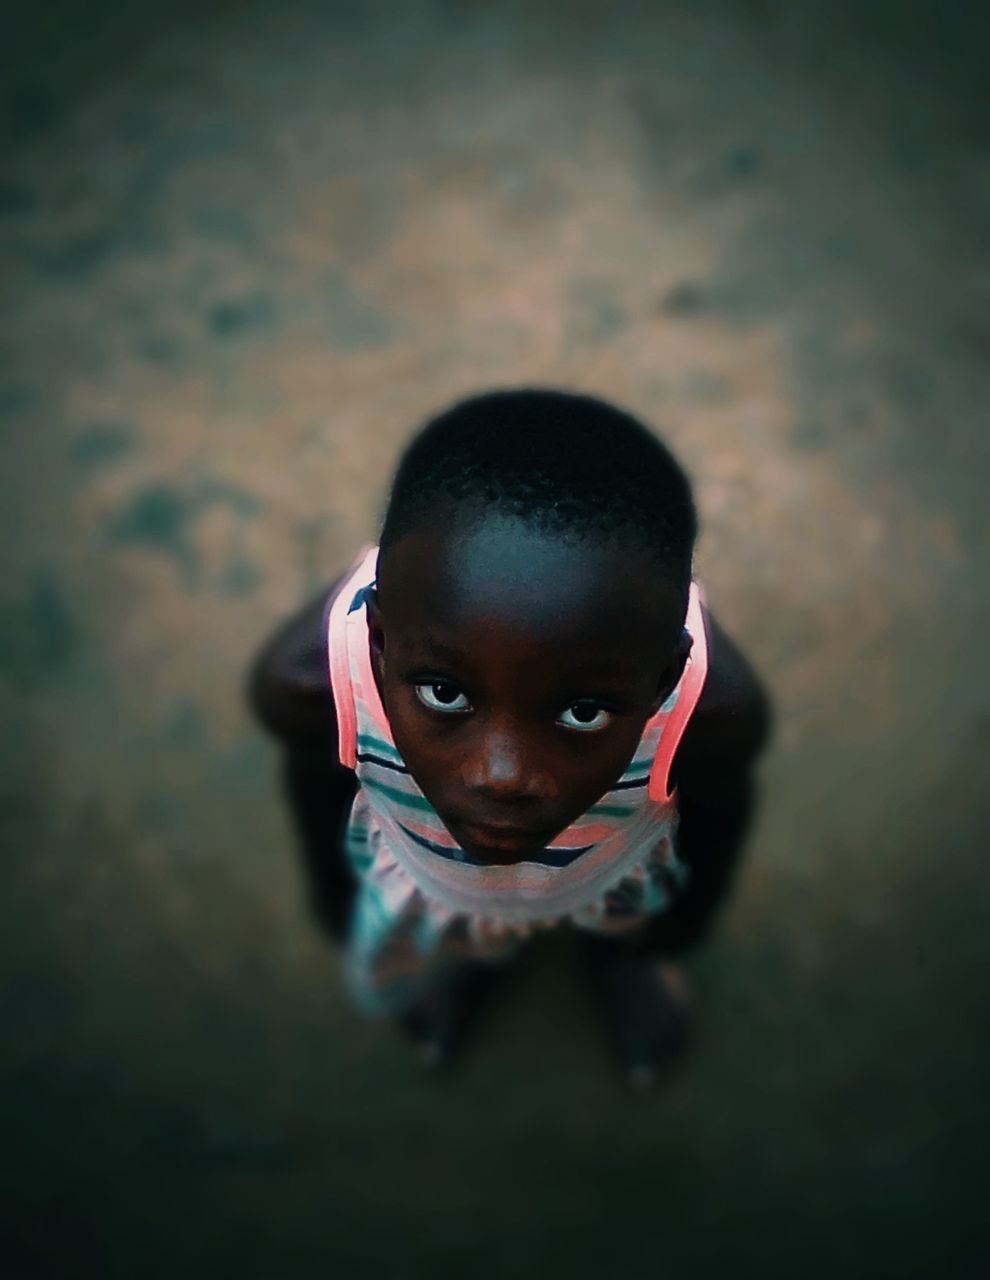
515 712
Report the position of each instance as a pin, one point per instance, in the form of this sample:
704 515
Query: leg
643 996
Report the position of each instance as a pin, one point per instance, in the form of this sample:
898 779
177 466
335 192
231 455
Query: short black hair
561 462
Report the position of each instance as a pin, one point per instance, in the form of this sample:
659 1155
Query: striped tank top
422 900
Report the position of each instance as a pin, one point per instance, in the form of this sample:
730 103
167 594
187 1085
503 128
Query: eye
588 709
438 697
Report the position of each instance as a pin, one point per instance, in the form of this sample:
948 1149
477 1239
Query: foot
437 1022
645 1006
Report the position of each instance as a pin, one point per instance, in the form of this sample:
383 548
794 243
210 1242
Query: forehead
500 579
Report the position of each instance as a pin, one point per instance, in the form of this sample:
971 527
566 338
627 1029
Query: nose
500 771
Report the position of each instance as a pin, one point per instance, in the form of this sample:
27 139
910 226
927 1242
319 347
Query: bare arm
731 724
288 689
288 684
716 787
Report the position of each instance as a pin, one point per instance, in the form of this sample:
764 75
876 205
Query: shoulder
288 683
732 721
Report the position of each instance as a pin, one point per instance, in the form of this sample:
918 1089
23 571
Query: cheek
425 748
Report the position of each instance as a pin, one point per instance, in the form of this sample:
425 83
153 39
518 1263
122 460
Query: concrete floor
243 254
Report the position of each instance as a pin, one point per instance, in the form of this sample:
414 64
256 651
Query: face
517 671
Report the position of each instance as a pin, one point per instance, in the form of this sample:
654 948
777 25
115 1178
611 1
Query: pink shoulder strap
689 691
361 572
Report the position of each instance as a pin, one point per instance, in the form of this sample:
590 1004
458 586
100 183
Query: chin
504 850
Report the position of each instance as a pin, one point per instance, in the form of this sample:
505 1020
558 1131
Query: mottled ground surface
243 254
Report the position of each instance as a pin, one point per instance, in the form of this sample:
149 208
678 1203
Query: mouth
501 839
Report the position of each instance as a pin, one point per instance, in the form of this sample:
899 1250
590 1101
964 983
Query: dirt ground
245 250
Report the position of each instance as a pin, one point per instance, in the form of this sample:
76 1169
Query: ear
672 672
376 629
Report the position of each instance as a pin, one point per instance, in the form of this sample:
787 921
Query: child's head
533 574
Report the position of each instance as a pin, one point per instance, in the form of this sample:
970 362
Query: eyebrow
593 669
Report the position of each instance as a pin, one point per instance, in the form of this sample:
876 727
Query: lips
501 837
